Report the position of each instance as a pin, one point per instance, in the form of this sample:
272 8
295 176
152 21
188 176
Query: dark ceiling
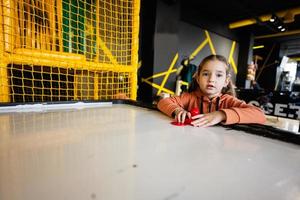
229 11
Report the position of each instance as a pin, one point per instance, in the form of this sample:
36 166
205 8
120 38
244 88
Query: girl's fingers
181 116
197 116
200 121
178 117
207 124
189 115
205 120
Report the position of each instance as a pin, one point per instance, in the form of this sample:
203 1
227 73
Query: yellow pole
28 27
293 32
4 87
158 87
230 59
96 87
8 24
17 27
21 20
36 31
168 73
135 34
160 74
49 5
75 85
97 30
59 29
1 35
134 50
45 25
281 14
210 43
199 48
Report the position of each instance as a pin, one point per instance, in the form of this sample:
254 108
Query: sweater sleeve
238 111
170 104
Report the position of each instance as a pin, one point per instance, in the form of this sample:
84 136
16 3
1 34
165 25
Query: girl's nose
212 78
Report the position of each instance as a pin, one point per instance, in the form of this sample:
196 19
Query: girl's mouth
210 86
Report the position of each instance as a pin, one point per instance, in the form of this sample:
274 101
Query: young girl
212 92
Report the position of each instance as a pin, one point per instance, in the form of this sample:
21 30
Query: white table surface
123 152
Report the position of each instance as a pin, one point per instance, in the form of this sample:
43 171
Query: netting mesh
62 50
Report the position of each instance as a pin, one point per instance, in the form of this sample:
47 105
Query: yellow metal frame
158 86
170 70
199 48
246 22
4 88
135 48
73 61
230 59
294 32
11 52
166 74
211 46
258 47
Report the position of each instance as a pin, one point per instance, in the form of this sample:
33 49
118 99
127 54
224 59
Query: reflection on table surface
283 123
126 152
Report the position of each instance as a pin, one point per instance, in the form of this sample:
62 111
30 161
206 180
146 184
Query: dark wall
208 22
146 48
245 57
166 38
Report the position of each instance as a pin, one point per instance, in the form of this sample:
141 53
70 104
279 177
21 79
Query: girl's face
212 78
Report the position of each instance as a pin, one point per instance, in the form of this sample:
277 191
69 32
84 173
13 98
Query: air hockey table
122 150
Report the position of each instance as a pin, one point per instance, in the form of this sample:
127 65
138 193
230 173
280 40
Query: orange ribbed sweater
236 111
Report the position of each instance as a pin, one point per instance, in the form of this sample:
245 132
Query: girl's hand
181 115
209 119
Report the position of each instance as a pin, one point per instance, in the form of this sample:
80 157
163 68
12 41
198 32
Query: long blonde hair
229 89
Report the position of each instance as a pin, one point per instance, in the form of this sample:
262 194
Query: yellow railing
61 50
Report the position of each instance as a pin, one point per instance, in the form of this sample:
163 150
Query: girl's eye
219 75
204 74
